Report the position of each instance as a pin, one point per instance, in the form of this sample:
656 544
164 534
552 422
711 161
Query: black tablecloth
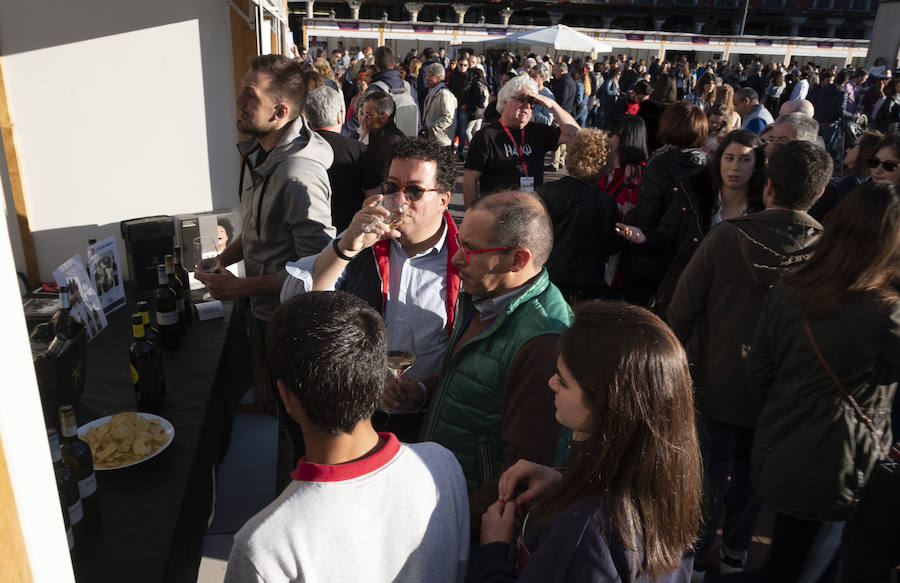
155 513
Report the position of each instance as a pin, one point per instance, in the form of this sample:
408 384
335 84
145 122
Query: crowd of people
700 320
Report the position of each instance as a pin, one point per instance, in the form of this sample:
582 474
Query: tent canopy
560 37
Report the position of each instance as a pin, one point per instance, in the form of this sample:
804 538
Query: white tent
560 37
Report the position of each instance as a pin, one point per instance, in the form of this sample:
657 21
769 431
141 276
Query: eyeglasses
524 100
888 166
466 251
413 192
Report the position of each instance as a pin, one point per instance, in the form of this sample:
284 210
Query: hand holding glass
393 205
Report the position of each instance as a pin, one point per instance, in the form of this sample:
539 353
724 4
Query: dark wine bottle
77 455
62 322
147 372
150 332
176 286
182 275
166 311
67 486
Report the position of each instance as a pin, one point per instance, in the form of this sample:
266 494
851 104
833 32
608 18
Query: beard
246 126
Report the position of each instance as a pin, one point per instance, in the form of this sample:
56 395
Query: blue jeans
803 551
726 452
462 120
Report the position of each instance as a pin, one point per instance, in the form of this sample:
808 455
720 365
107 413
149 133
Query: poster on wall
84 303
104 267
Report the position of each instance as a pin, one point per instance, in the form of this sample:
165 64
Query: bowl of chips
123 440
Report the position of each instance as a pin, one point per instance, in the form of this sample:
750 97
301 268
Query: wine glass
401 350
205 266
395 207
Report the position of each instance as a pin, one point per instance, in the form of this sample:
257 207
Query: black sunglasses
413 192
888 166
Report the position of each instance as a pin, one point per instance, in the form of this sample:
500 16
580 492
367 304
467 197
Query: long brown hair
641 455
859 252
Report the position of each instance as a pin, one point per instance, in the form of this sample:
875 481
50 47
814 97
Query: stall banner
83 300
103 264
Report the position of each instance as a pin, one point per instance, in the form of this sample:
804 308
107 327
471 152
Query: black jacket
812 453
584 222
682 228
666 169
830 102
719 298
564 90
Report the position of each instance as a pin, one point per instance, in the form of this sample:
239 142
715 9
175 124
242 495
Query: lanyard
519 149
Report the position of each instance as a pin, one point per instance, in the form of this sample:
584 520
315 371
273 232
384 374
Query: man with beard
284 196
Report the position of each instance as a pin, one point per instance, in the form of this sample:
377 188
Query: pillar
461 10
658 24
414 8
698 26
354 8
309 9
607 21
833 23
796 21
505 15
870 27
555 16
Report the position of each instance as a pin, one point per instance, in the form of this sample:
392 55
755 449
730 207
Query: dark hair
777 78
520 220
859 252
757 179
632 139
384 103
429 151
799 172
384 58
664 90
288 83
330 349
868 147
748 93
641 455
683 125
225 223
891 141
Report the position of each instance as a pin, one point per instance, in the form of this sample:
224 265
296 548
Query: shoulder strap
865 418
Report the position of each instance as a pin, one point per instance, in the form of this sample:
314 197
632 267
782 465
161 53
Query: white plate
168 428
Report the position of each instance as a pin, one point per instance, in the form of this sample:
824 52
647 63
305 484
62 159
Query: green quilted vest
465 411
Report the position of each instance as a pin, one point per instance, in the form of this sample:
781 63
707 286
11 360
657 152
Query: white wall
120 110
25 439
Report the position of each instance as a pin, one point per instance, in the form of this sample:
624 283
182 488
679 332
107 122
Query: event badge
526 183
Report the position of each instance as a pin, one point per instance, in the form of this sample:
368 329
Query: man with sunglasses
490 406
404 272
509 153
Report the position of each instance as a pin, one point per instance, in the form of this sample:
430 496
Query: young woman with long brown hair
627 506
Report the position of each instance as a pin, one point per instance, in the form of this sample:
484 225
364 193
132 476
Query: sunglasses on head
413 192
888 166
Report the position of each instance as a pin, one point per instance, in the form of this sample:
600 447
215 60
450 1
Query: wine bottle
182 275
62 322
147 372
150 332
176 286
77 455
166 311
67 486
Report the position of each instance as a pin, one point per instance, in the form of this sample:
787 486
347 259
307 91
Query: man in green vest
491 405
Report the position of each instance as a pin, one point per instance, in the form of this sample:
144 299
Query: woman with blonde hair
584 218
324 69
725 100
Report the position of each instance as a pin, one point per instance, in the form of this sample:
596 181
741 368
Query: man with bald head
803 106
490 405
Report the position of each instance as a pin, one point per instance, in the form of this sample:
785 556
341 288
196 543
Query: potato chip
124 439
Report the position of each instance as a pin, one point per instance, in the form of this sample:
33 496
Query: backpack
406 110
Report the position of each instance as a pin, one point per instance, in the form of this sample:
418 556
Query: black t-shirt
494 155
350 173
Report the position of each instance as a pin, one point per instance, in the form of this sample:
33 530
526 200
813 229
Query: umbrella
560 37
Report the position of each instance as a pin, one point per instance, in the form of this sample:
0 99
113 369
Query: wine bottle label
134 375
179 305
76 513
88 486
167 318
71 537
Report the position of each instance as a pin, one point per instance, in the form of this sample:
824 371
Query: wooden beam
15 180
14 564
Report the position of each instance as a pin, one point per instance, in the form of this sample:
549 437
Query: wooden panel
243 41
18 194
14 565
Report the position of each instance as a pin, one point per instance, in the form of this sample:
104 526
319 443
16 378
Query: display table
155 513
